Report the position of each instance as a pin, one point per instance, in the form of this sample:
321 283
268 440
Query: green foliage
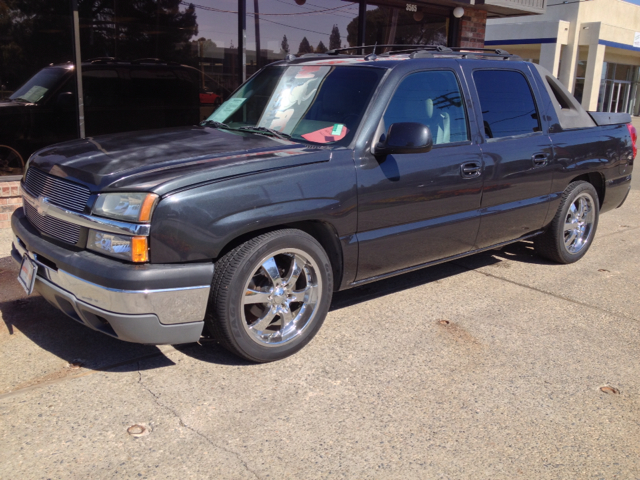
304 47
321 48
36 33
284 45
334 38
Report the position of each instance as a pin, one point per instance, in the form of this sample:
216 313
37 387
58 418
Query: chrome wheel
281 297
578 224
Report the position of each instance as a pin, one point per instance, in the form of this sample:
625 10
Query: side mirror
405 137
65 100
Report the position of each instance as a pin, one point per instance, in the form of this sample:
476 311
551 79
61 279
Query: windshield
38 85
318 104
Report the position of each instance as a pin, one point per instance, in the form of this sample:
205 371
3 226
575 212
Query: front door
416 208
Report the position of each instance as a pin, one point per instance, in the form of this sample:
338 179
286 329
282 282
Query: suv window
433 99
507 105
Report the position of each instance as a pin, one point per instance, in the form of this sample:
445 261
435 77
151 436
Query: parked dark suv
118 97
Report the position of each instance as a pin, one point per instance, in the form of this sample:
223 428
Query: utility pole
78 55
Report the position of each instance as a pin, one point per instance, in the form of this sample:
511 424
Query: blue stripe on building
526 41
624 46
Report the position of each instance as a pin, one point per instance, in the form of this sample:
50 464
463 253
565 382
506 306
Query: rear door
516 150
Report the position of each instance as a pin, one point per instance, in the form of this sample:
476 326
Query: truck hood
165 160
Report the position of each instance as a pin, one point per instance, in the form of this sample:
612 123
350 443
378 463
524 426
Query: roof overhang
494 8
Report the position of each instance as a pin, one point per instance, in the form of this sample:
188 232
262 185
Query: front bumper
152 304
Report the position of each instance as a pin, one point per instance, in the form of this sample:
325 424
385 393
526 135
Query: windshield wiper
214 124
265 130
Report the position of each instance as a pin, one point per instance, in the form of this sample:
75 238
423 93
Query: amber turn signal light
139 250
147 207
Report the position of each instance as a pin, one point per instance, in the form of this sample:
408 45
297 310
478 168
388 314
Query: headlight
133 249
132 207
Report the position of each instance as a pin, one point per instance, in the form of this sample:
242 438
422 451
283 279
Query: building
592 46
220 38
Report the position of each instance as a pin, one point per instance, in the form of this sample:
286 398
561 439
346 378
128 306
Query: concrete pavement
488 367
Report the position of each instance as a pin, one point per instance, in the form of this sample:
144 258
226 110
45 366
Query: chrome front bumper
171 305
154 315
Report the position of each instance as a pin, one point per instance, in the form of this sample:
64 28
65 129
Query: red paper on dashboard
324 135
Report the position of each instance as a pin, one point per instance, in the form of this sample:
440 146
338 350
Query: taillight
634 138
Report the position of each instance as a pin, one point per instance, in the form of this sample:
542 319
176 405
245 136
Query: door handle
540 159
470 170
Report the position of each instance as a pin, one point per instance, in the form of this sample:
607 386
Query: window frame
479 109
463 95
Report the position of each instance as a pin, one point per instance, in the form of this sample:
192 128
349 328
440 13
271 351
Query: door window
432 98
507 104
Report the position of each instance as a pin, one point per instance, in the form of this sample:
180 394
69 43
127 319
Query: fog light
132 249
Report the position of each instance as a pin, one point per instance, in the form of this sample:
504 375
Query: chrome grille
59 191
65 231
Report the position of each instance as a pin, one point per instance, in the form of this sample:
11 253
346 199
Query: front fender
196 224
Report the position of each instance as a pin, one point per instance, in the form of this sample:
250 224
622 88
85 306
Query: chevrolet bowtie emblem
42 205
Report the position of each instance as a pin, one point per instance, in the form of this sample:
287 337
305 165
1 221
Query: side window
432 98
101 88
507 105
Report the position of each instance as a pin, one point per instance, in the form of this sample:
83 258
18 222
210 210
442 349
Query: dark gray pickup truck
319 173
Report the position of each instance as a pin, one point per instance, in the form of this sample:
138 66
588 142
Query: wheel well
323 232
595 179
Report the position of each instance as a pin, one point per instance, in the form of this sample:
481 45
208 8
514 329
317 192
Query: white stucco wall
583 30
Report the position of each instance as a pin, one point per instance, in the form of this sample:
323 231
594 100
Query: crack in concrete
559 297
188 427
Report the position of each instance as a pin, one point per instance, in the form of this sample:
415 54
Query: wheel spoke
297 264
569 227
569 241
299 295
271 269
263 322
255 296
286 315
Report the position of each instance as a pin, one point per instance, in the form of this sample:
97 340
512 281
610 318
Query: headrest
429 107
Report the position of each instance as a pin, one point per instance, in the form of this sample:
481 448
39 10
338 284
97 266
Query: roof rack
152 61
102 60
424 51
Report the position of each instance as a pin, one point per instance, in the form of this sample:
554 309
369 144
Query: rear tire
571 231
270 295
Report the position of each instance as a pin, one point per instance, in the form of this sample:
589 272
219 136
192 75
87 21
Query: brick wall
472 28
9 200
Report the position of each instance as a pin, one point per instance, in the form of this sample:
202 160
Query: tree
334 38
305 47
284 45
36 33
321 48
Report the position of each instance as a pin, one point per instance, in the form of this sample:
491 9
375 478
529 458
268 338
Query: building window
618 88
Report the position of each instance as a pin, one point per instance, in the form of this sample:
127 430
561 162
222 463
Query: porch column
592 78
550 57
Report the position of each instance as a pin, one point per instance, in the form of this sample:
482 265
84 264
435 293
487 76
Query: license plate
27 275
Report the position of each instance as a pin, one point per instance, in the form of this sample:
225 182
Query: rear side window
507 105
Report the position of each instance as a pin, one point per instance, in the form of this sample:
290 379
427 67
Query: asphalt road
487 367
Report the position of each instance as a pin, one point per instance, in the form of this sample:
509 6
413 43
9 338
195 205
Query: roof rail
418 51
154 61
102 60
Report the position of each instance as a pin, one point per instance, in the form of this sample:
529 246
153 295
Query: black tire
568 245
277 325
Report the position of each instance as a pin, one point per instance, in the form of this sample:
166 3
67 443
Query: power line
218 10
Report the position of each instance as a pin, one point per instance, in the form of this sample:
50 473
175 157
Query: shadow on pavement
54 332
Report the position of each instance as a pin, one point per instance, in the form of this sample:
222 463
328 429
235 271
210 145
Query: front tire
571 231
270 295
